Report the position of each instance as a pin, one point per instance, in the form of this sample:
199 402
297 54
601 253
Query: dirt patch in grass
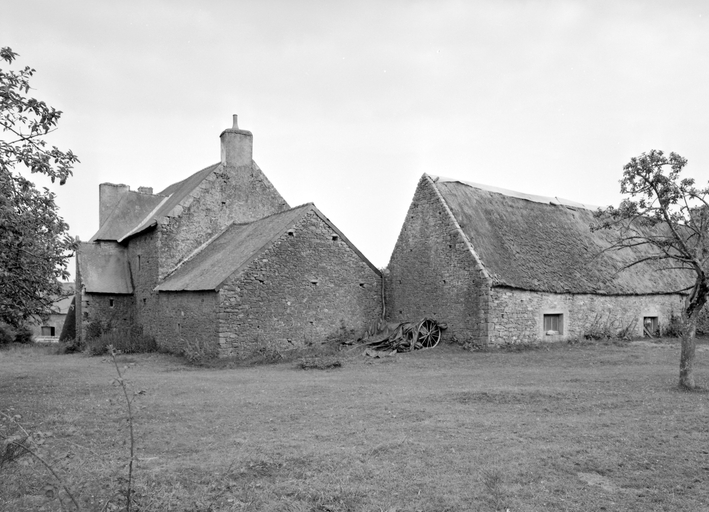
567 428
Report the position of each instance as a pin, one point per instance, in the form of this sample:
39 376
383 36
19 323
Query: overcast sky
351 102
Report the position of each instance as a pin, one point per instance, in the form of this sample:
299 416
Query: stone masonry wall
516 316
229 194
187 317
432 273
111 310
305 288
144 266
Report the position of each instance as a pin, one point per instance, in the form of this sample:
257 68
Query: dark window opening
363 285
110 303
139 262
314 282
291 232
223 203
47 330
651 326
553 324
144 301
335 238
179 328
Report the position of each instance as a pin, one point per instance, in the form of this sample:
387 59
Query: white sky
350 102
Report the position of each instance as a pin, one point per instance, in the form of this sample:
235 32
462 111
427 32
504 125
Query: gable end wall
433 273
300 291
229 194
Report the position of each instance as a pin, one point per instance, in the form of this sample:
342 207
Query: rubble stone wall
517 316
229 194
308 287
111 310
144 266
432 272
187 318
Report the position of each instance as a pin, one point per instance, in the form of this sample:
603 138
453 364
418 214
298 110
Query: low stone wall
517 316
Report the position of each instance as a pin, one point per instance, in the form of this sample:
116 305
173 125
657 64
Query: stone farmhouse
220 259
504 267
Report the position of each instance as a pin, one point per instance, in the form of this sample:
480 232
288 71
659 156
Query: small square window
553 324
47 330
651 326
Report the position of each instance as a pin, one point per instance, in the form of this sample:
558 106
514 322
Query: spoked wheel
429 334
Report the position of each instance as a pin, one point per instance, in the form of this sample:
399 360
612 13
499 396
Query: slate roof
235 247
130 211
104 268
545 244
176 192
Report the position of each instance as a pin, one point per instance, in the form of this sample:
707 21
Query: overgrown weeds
126 341
493 482
606 327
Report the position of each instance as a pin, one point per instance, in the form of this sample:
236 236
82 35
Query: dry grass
589 427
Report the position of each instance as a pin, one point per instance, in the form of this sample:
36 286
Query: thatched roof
545 244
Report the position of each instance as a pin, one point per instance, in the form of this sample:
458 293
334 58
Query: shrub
127 341
7 334
673 328
23 334
198 351
95 329
10 334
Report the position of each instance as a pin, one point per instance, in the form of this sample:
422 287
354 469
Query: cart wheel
429 334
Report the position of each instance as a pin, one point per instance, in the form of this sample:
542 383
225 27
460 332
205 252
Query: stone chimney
109 195
145 190
237 146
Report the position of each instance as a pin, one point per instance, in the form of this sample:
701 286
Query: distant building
49 329
505 267
220 259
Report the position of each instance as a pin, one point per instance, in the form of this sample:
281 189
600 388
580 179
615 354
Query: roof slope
230 251
176 192
236 246
104 268
130 211
545 244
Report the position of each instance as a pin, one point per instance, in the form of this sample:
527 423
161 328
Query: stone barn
219 259
505 267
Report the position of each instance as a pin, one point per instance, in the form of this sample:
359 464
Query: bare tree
668 218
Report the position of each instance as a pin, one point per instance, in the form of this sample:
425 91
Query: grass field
568 428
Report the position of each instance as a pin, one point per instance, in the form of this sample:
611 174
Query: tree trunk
686 358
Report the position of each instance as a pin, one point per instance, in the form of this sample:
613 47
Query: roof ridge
553 200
